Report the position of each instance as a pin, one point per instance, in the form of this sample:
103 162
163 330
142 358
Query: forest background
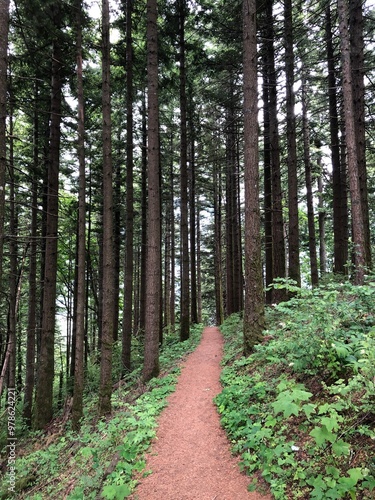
126 193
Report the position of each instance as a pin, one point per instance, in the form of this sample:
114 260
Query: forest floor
190 457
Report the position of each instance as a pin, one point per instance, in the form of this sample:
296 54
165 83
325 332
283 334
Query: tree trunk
193 230
108 283
117 202
32 299
309 191
358 89
254 299
233 254
169 245
172 303
77 406
129 228
359 240
219 305
185 285
46 370
322 228
294 265
142 299
278 247
13 258
4 29
340 209
199 270
267 177
153 264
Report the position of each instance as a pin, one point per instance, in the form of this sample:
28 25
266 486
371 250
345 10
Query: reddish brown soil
191 458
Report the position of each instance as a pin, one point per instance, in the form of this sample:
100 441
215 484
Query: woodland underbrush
301 410
102 460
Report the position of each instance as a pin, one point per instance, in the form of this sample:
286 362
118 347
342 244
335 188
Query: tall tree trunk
358 90
254 299
233 254
13 251
105 389
278 247
267 177
153 264
340 209
169 243
142 299
193 230
199 270
359 239
309 191
294 264
4 29
46 370
185 285
117 202
322 228
219 305
172 303
32 299
129 229
77 407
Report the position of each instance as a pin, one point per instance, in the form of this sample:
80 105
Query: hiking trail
190 458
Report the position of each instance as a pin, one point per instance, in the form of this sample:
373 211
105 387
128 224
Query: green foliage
301 408
101 460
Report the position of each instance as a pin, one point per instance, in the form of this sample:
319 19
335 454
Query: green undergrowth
104 459
301 410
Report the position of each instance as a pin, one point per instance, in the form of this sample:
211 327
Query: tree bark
294 271
185 276
340 208
32 300
267 175
193 229
322 228
278 247
4 30
46 369
358 90
219 304
254 299
108 284
359 239
309 191
142 298
129 228
13 258
153 264
77 406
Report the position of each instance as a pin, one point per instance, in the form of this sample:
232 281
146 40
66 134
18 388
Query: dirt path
191 459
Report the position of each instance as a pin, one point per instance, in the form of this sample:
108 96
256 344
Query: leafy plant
101 460
301 409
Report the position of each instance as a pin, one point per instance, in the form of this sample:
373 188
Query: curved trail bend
190 458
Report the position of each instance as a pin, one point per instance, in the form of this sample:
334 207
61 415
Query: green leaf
308 409
340 448
300 395
330 422
288 408
116 492
322 434
333 471
355 474
86 451
369 483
